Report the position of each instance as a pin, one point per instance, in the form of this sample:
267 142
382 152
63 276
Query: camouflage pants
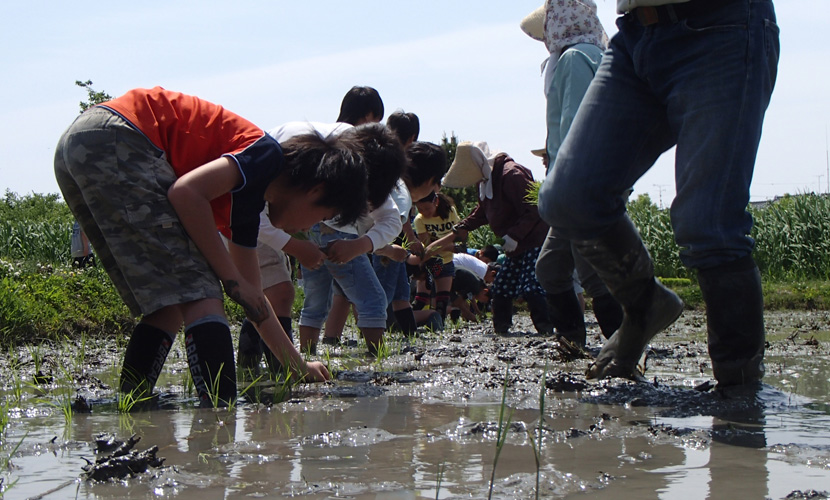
115 182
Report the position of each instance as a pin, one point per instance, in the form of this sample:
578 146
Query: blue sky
464 67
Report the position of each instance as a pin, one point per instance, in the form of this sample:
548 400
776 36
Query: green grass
43 297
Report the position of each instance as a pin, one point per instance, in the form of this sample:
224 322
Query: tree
93 96
466 199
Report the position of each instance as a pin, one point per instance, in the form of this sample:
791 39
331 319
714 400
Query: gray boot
735 321
623 263
567 316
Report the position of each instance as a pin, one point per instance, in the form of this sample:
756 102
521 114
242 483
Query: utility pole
659 194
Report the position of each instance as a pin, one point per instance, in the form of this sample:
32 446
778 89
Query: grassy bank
41 296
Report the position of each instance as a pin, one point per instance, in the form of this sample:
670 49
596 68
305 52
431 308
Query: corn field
792 235
792 238
44 242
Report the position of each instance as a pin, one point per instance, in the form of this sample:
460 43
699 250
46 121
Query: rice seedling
537 443
503 427
4 419
126 401
441 468
213 389
382 354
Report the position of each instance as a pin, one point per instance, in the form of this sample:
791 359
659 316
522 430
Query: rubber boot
442 301
274 366
624 265
735 321
539 314
405 319
609 314
210 358
250 350
502 308
566 316
144 359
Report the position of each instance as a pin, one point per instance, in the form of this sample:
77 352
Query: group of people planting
185 202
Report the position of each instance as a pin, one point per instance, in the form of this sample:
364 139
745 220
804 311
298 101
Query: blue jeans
393 278
356 278
702 83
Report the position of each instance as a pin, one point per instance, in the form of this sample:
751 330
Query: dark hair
383 156
490 252
311 159
405 125
427 162
358 103
445 204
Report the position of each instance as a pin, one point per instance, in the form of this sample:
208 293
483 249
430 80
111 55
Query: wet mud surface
434 418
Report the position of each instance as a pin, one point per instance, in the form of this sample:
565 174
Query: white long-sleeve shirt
381 225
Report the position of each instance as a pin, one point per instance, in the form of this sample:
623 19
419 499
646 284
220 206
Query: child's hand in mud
307 252
316 372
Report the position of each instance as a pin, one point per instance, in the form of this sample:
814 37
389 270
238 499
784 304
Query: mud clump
121 460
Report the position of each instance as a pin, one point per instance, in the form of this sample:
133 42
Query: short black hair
358 103
405 125
383 156
427 162
334 162
490 252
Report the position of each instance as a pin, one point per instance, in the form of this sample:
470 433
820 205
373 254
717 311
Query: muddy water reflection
397 446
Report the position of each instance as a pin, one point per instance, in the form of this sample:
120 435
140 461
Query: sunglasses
428 198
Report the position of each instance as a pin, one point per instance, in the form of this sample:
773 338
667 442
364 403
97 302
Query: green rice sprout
503 427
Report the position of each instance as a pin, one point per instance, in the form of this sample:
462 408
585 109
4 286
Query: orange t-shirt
192 132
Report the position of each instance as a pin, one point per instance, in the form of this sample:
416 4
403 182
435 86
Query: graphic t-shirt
437 227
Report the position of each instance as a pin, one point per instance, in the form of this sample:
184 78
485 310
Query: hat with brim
467 167
534 24
541 152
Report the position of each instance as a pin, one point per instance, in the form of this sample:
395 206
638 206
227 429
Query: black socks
144 359
210 358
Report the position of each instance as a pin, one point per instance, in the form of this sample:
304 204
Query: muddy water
423 423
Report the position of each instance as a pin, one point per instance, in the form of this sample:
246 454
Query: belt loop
672 13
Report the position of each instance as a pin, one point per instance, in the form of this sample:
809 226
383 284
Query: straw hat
541 152
470 166
534 24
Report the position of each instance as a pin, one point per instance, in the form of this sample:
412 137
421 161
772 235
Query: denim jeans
393 278
356 278
702 83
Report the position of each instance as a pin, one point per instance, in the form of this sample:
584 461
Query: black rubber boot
609 314
250 350
210 358
144 359
566 316
274 366
502 308
624 265
442 301
539 313
735 321
405 319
